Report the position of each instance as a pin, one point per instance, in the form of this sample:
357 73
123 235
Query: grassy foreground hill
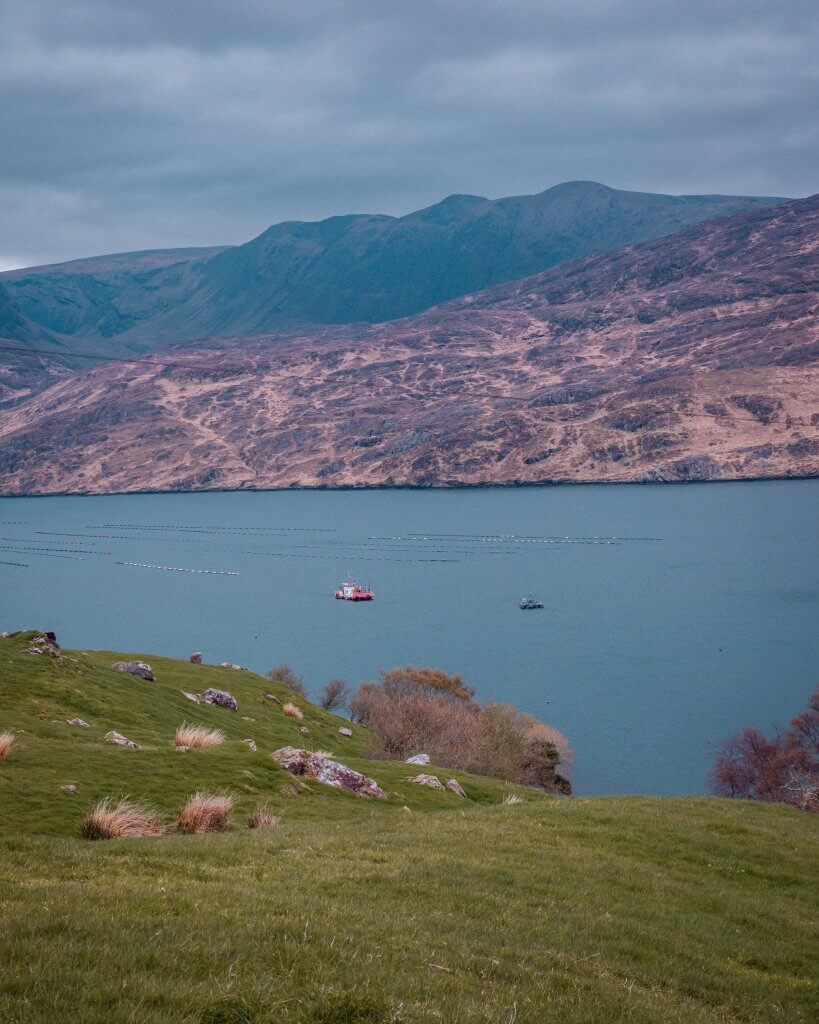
351 910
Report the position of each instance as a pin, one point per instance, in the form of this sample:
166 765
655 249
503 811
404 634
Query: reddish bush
412 710
783 768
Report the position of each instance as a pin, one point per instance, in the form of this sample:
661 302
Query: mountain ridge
692 357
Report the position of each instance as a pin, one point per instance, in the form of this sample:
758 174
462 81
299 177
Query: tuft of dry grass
123 819
292 711
205 812
7 739
262 818
512 798
323 753
198 736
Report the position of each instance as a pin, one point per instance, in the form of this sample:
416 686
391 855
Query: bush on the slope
6 742
287 676
335 695
205 812
412 710
782 768
124 819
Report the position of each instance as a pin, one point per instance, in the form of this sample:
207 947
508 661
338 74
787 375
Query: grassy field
563 910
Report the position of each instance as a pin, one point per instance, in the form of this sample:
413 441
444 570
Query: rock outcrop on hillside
692 357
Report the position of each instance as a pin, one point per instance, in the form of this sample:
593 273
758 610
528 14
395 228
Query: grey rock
345 731
195 658
221 698
120 740
455 787
140 669
79 721
227 664
323 769
250 743
418 759
192 696
428 780
71 790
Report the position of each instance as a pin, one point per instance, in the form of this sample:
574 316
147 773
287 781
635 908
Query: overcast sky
153 123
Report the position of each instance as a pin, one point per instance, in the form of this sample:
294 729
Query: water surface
673 614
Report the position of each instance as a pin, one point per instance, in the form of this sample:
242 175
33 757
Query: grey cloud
129 126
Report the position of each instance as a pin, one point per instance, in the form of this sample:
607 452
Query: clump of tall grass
262 818
198 736
512 798
123 819
7 739
292 711
205 812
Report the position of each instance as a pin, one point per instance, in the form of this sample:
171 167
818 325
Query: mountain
689 357
367 268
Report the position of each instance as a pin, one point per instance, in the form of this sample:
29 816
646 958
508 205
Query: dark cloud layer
129 125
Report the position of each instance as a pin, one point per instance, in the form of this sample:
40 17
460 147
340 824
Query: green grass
555 910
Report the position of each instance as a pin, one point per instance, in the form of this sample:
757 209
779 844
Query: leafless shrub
262 818
283 673
198 736
205 812
335 695
7 739
292 711
120 820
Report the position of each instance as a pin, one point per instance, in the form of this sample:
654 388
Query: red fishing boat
352 592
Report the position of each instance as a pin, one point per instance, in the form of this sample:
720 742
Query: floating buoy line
176 568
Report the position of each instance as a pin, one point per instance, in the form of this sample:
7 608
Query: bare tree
336 694
284 674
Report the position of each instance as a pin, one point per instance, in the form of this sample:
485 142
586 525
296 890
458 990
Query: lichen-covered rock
418 759
45 643
79 721
120 740
139 669
455 787
195 658
272 696
323 769
228 664
71 790
192 696
221 698
250 743
345 731
428 780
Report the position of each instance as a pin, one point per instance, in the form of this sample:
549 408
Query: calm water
673 614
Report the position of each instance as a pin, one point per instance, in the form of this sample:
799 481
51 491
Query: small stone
305 730
5 634
71 790
428 780
272 696
345 731
418 759
195 658
228 664
183 749
247 718
221 698
455 787
250 743
79 721
407 809
120 740
192 696
120 666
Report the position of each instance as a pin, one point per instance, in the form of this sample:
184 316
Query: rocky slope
691 357
340 270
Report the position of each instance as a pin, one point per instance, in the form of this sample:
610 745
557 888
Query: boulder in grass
195 658
71 790
221 698
345 731
428 780
228 664
250 743
305 730
418 759
120 740
323 769
79 721
45 643
455 787
192 696
140 669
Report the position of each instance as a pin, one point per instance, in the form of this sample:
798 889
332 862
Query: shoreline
454 486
